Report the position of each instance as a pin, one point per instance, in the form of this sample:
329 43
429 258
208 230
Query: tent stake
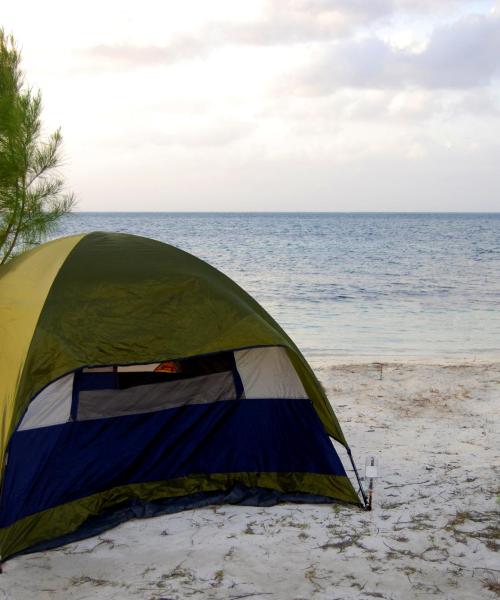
368 505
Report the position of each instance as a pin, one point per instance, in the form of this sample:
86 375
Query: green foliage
31 189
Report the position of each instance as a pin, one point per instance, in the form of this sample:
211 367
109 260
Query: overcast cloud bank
273 105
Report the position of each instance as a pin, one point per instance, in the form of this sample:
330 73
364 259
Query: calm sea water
349 285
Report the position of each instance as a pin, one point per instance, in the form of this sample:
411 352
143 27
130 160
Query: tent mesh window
129 390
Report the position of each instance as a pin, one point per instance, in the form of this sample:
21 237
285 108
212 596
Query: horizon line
291 212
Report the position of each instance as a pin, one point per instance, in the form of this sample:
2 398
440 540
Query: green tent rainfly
136 379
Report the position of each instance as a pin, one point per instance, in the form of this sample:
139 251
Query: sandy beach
434 531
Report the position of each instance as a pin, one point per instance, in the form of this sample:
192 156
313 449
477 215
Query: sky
269 105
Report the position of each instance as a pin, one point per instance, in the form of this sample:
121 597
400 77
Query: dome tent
137 379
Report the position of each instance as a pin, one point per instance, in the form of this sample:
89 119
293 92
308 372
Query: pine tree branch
17 229
31 198
10 225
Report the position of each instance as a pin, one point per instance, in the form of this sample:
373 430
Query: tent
136 379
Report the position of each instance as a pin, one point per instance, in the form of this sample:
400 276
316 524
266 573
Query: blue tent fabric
58 464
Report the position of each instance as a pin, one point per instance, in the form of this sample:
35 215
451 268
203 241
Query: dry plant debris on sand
434 531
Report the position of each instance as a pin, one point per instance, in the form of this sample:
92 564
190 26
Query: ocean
349 286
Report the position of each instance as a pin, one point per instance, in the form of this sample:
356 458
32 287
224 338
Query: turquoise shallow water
349 285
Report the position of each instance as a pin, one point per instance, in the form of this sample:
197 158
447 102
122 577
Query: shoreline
320 363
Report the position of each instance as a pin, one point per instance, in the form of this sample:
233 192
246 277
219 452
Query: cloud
299 21
461 55
352 61
123 55
282 22
201 135
431 6
464 54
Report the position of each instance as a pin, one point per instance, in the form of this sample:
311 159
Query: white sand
433 533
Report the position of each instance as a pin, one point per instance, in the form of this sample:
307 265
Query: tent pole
368 505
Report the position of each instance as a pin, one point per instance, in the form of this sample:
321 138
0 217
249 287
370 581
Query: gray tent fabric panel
99 404
138 368
268 373
52 406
